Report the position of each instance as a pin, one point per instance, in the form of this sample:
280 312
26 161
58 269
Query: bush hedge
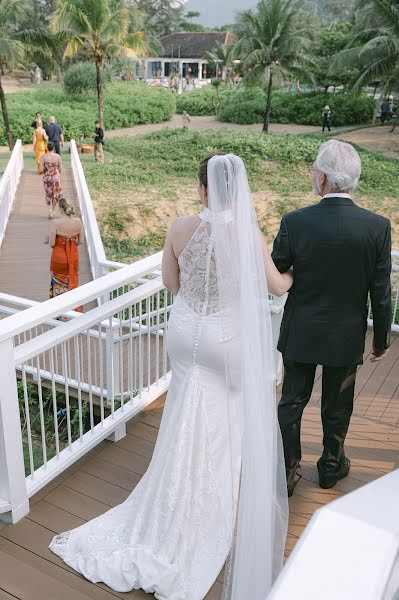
202 102
80 79
248 106
125 104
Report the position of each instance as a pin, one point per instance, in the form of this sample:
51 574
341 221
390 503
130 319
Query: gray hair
341 165
52 119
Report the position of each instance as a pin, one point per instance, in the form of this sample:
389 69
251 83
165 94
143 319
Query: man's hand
378 355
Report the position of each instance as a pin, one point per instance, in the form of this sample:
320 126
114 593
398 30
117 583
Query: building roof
193 44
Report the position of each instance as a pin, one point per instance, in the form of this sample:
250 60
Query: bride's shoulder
182 224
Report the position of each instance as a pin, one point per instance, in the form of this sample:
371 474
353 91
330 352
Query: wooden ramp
103 479
24 255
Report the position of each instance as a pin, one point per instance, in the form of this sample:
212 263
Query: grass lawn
149 180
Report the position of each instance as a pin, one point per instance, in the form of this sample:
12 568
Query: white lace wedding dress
173 534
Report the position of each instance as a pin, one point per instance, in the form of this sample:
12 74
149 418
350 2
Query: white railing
8 186
395 294
98 260
68 384
349 550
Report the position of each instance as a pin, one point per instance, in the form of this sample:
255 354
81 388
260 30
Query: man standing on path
326 115
341 254
55 135
98 143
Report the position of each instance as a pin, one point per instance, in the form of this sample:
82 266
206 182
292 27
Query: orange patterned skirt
64 266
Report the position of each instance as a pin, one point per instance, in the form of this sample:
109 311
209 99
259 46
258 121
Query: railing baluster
41 411
28 424
55 409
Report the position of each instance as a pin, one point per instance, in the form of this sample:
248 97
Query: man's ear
323 180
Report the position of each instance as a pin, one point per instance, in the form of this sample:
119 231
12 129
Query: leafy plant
80 79
126 104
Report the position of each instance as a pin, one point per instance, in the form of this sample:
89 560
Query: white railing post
112 358
12 470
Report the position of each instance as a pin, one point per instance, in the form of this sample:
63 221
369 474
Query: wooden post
12 469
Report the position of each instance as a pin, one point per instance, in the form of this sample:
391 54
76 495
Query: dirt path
379 139
202 123
11 84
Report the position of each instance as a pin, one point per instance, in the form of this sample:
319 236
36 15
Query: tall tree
330 40
161 17
11 50
374 45
272 43
100 29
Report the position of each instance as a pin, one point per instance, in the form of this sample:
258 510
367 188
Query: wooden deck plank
27 576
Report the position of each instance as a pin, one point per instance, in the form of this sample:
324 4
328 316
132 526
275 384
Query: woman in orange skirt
65 237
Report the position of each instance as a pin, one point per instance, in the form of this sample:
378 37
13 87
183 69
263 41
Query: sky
215 13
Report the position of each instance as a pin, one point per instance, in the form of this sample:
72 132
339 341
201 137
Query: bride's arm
278 283
170 265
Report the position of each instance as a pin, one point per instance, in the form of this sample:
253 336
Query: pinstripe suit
340 253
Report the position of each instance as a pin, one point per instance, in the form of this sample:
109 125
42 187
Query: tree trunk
100 95
268 103
58 73
5 116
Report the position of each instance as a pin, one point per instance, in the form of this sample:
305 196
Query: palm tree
101 29
271 42
374 46
11 51
223 55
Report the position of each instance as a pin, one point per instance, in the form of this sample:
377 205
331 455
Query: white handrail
8 186
16 324
94 242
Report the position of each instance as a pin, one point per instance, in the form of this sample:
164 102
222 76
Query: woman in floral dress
50 166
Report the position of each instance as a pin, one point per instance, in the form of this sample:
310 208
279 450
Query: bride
215 488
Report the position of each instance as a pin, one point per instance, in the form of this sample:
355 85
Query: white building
183 54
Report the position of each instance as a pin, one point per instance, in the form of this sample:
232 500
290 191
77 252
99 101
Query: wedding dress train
173 534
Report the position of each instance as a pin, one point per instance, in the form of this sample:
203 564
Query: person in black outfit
55 135
98 143
340 254
38 117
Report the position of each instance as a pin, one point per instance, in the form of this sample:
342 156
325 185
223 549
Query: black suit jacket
340 253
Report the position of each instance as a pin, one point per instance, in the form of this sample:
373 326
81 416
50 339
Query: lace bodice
198 277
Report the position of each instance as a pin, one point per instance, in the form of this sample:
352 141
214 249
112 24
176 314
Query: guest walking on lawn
39 142
65 236
51 166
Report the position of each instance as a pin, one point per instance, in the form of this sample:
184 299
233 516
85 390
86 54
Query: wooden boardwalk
29 571
24 255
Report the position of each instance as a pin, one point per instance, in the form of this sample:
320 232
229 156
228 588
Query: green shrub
80 79
248 106
202 102
125 104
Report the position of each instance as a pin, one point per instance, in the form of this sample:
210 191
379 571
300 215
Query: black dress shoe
328 480
292 480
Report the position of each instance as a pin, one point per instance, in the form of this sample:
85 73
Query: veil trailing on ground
261 517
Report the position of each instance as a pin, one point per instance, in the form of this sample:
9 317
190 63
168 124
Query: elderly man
340 253
55 135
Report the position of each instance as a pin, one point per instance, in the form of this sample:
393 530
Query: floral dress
52 182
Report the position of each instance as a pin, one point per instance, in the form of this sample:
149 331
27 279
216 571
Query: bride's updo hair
66 207
203 167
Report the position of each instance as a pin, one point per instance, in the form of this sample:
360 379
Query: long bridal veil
260 525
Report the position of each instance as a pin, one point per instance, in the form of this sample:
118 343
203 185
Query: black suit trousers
338 389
